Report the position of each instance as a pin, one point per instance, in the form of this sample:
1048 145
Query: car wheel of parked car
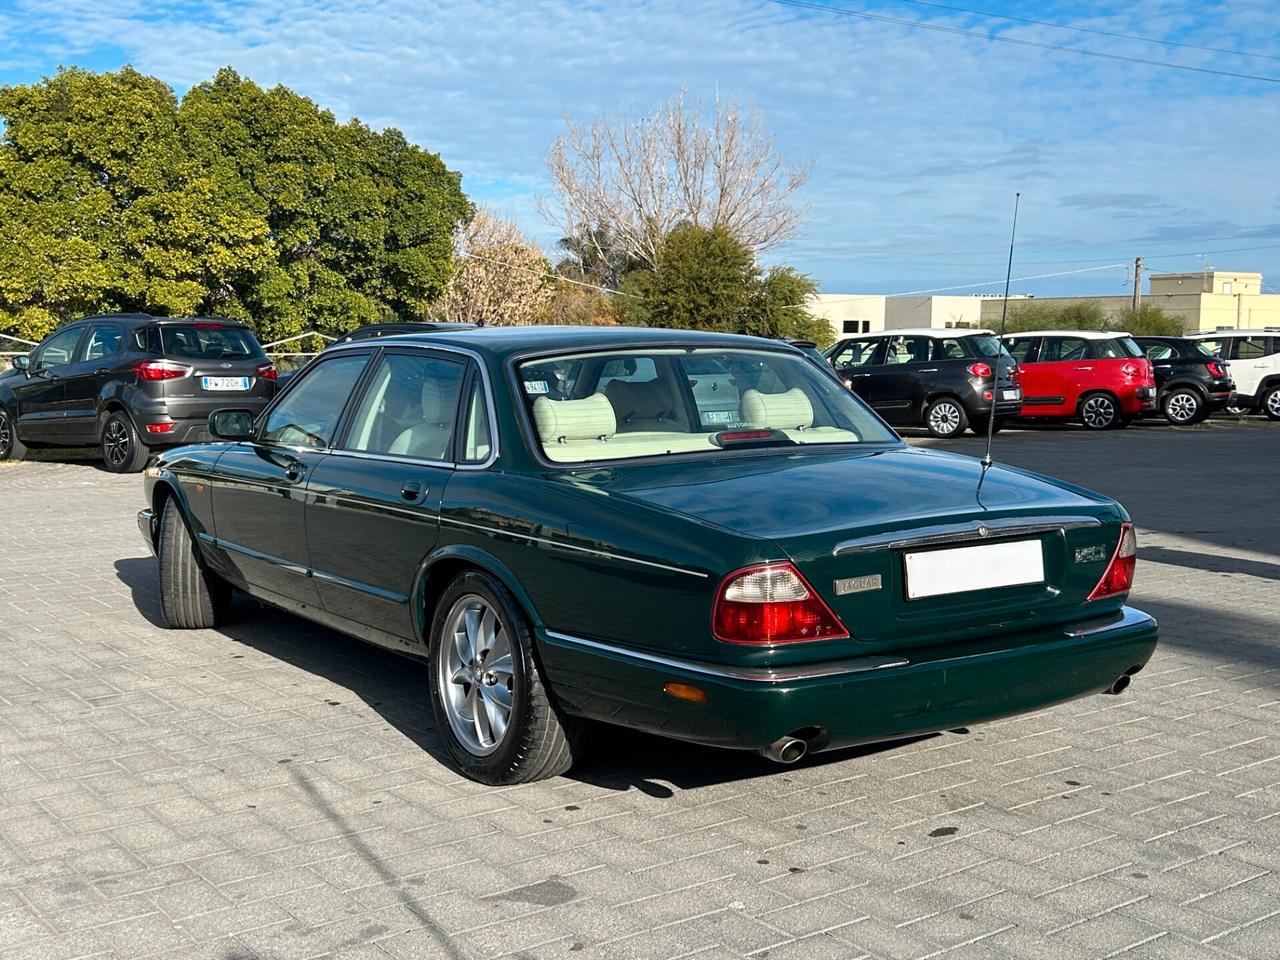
945 418
1237 411
1271 403
11 448
494 713
191 597
1184 406
122 451
1098 411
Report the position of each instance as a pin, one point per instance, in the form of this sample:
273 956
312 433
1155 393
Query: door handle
101 372
859 374
413 491
928 370
1082 368
294 471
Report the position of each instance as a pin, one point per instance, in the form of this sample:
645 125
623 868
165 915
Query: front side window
208 341
706 401
855 353
102 342
1064 349
1023 349
307 415
409 408
58 349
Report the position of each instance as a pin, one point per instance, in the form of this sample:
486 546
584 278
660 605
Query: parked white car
1254 356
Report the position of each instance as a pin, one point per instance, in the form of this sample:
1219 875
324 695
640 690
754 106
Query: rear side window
908 350
1160 351
1250 348
103 340
1116 349
307 415
951 348
208 341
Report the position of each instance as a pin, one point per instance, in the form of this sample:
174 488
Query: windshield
988 346
208 341
665 402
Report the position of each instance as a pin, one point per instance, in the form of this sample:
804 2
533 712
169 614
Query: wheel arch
1178 383
447 563
168 488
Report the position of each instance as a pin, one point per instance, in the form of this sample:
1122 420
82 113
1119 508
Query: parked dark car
1192 382
1097 377
791 579
940 379
130 384
373 331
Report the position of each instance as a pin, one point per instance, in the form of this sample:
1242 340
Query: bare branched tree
628 182
502 279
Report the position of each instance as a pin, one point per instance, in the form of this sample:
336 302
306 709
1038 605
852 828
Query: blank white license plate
225 383
1011 394
983 567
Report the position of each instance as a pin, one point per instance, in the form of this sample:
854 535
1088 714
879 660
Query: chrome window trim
571 546
490 403
754 674
962 532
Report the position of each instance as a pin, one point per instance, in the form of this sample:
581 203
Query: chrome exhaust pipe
786 749
1122 682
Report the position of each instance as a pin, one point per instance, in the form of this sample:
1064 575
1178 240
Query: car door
1251 362
373 508
85 378
1061 365
259 494
40 396
897 387
858 362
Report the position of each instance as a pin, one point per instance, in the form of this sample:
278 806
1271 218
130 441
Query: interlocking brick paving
275 790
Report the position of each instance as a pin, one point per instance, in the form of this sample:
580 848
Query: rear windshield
987 346
1118 347
208 341
666 402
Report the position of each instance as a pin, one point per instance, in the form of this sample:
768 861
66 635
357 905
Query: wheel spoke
496 713
480 717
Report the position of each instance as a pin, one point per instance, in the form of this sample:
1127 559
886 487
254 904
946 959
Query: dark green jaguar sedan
702 536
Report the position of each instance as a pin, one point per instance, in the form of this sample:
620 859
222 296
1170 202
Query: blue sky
918 138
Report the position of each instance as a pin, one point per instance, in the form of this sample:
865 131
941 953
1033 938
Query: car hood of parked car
798 496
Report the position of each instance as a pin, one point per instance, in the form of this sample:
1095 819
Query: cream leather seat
429 440
778 411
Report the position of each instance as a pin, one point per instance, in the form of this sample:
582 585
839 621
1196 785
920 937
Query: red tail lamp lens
266 371
1118 577
982 370
160 370
159 427
769 604
1216 369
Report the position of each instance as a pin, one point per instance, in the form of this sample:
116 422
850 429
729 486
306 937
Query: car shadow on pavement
395 687
1212 562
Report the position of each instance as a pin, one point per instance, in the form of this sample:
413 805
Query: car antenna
1004 312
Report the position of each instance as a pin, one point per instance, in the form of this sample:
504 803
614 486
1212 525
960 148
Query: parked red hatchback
1101 379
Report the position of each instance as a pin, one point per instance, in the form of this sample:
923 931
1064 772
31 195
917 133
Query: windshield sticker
536 386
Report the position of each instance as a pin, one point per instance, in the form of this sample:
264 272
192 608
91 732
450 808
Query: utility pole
1137 285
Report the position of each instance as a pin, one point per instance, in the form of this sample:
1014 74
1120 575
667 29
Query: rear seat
646 405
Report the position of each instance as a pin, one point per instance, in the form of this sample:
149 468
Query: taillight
266 371
1216 369
160 427
160 369
1014 374
981 370
771 603
1118 577
1130 369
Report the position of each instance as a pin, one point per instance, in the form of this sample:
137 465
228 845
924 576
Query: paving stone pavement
273 790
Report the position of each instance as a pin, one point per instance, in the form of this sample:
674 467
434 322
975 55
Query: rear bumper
1139 400
189 417
849 702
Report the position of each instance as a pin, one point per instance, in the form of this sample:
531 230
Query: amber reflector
685 691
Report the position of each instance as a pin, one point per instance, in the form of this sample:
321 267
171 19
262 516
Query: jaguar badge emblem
857 584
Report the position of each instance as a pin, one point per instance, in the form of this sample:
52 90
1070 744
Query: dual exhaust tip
791 748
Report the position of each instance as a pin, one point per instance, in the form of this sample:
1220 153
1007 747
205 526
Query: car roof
1082 334
938 332
502 342
138 319
1233 332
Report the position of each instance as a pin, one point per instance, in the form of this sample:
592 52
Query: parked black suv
1191 380
130 383
941 379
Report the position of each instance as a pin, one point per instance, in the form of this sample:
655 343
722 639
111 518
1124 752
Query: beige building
871 313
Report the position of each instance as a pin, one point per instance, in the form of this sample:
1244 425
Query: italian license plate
935 573
1011 394
225 383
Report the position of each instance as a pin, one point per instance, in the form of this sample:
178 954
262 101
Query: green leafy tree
778 308
242 201
1151 320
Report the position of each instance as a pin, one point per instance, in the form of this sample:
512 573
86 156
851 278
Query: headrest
780 411
646 400
434 400
588 419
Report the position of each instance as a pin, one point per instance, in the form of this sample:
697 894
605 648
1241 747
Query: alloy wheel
115 442
6 435
1273 404
1237 411
474 674
944 418
1098 412
1182 407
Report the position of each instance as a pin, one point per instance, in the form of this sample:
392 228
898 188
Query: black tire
1099 411
539 741
1271 403
945 418
11 448
191 597
979 425
1183 406
122 451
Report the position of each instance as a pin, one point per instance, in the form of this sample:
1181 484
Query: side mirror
231 424
22 363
